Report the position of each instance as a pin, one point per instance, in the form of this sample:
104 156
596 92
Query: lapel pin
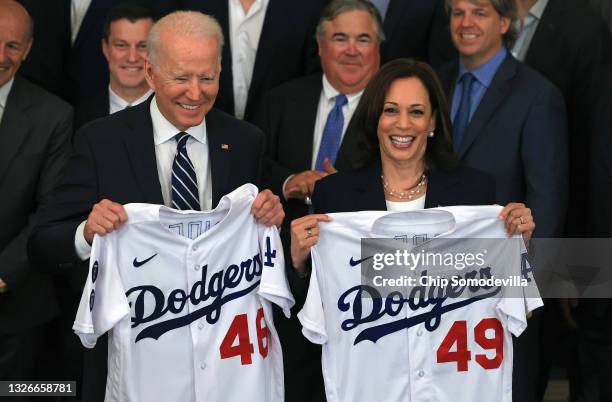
225 146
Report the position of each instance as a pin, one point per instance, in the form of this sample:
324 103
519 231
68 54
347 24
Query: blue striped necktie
332 133
462 118
184 181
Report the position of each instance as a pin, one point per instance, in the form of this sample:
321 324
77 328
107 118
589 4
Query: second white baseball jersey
409 348
186 298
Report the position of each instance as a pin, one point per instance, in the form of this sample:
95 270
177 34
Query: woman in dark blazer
408 162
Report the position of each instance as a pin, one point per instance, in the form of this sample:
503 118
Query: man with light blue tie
306 126
510 122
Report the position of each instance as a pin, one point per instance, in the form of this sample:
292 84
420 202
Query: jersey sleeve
312 316
517 305
274 285
103 302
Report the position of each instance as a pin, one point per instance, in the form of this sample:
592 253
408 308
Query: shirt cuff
285 185
82 248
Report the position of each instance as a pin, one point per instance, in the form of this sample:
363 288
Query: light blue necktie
332 134
462 119
184 181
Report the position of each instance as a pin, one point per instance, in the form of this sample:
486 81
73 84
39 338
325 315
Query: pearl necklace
408 194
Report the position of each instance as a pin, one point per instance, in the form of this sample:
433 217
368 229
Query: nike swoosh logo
140 263
354 263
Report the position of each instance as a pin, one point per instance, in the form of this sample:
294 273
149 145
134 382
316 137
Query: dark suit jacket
73 71
287 48
34 145
288 121
91 109
518 134
567 48
408 27
115 159
600 188
362 190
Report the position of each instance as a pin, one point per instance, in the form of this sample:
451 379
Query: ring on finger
308 233
522 220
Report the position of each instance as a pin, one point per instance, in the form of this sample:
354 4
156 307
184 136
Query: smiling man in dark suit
510 122
133 155
124 46
35 130
268 42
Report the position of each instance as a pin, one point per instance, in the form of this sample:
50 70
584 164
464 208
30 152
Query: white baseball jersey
186 298
409 348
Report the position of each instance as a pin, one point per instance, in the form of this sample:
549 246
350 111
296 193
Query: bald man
35 130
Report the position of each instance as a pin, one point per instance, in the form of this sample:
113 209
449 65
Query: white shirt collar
164 131
330 92
117 103
4 92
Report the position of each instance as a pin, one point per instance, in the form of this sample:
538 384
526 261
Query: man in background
35 130
269 42
510 122
124 46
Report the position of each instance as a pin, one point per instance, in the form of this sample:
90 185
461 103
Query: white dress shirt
165 151
117 103
4 93
327 101
78 9
245 30
527 29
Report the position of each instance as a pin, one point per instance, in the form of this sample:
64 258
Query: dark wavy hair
439 153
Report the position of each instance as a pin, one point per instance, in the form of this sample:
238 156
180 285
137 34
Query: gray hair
505 9
185 23
337 7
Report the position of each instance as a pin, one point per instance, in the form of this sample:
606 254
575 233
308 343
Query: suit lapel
276 15
220 10
369 192
545 36
438 187
140 145
219 152
88 22
492 98
393 17
15 125
304 109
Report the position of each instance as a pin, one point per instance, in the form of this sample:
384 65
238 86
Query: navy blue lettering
230 277
419 297
212 288
269 254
